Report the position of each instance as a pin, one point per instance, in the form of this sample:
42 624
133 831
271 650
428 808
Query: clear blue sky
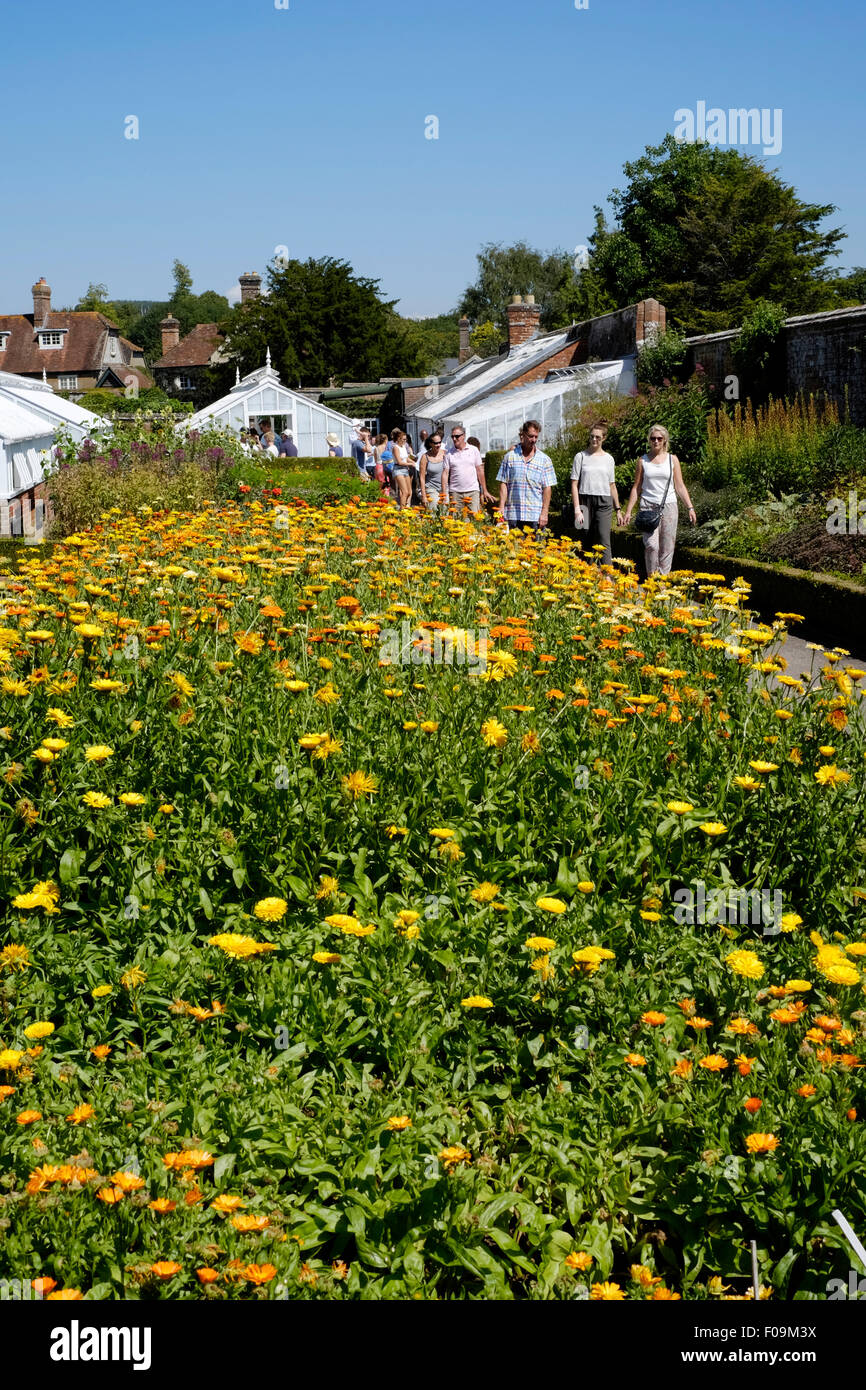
304 127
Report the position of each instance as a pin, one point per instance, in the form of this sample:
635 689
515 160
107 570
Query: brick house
73 350
537 376
181 369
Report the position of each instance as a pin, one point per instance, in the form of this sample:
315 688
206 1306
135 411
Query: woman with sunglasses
433 470
659 481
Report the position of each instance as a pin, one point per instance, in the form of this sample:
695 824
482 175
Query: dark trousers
598 513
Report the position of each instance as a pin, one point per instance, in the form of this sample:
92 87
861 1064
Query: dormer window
3 337
50 338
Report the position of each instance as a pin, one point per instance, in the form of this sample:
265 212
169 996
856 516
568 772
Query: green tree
710 232
850 289
504 271
486 339
320 320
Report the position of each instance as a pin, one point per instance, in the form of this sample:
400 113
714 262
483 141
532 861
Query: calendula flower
680 808
454 1154
578 1259
713 828
607 1292
485 892
10 1059
635 1059
101 991
654 1018
240 947
758 766
360 785
539 943
165 1269
714 1062
14 957
28 1117
98 801
35 1031
554 905
745 963
396 831
442 833
586 886
328 887
761 1143
326 957
832 776
98 752
270 909
477 1001
133 978
683 1068
399 1122
81 1114
494 734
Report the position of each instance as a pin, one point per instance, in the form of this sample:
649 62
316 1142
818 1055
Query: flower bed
374 921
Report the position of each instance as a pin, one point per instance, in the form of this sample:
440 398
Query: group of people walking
437 477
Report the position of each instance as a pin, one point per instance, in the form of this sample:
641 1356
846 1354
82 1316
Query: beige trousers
659 547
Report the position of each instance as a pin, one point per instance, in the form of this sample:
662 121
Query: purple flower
215 454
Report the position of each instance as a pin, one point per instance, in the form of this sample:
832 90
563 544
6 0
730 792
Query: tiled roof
82 350
196 349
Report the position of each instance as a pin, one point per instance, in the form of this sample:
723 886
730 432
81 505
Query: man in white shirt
466 482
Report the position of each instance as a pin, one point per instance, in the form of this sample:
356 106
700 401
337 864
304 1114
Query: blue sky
305 127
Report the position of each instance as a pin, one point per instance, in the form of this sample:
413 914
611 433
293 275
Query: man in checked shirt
526 477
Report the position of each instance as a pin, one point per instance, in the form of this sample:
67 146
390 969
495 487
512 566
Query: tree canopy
321 320
710 232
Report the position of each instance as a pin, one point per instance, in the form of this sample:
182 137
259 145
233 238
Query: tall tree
320 320
504 271
711 232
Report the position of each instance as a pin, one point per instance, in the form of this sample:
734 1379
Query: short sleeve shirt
593 474
462 465
526 481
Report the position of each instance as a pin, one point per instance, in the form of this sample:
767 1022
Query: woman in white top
659 479
402 469
593 481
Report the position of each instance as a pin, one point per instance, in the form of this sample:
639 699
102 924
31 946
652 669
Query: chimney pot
465 350
517 299
251 285
530 299
524 317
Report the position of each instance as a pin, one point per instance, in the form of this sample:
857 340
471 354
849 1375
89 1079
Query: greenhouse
30 413
260 397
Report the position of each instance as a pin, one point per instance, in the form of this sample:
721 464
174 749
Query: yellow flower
761 1143
485 892
90 631
555 905
270 909
309 742
97 800
240 947
10 1059
398 1122
831 775
429 726
394 831
441 833
342 920
453 1154
327 695
55 745
607 1292
539 943
98 753
589 958
477 1001
104 686
132 978
326 957
101 991
578 1259
60 717
586 886
407 918
360 784
39 1030
14 957
745 963
749 784
328 887
296 687
759 766
166 808
249 642
635 1059
494 734
680 808
713 827
714 1062
132 798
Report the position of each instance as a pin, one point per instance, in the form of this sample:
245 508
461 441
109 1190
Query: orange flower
806 1091
635 1059
165 1269
578 1259
700 1025
162 1205
110 1195
340 1270
653 1018
744 1064
80 1114
851 1114
753 1105
101 1052
206 1275
307 1275
260 1274
682 1068
714 1062
688 1006
28 1117
761 1143
226 1203
44 1285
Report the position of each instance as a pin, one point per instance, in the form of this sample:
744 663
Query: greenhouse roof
494 375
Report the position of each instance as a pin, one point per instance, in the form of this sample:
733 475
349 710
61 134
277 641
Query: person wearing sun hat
334 448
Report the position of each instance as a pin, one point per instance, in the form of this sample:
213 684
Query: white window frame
184 383
67 383
3 337
50 333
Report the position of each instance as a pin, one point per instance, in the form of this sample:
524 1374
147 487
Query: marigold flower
39 1030
28 1117
206 1275
360 784
270 909
494 734
654 1018
714 1062
326 957
578 1259
761 1143
683 1068
98 753
634 1059
477 1001
165 1269
554 905
745 963
753 1104
713 827
161 1206
484 892
399 1122
680 808
607 1292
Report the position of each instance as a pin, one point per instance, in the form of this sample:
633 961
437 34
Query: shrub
661 363
755 349
797 445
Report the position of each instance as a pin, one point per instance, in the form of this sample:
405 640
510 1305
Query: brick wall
818 354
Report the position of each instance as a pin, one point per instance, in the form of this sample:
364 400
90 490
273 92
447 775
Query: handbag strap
668 483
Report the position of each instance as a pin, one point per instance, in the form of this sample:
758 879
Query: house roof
196 349
492 374
121 377
82 349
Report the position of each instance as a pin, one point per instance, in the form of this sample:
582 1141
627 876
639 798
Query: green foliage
662 362
504 271
783 446
485 339
321 320
756 350
138 467
102 401
709 232
427 342
850 289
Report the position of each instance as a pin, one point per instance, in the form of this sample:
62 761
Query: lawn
344 951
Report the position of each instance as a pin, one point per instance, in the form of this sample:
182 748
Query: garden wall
818 354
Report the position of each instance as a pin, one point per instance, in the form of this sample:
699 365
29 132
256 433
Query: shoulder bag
650 513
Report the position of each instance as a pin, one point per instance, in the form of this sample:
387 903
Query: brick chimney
650 320
251 285
41 302
465 350
524 317
170 328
